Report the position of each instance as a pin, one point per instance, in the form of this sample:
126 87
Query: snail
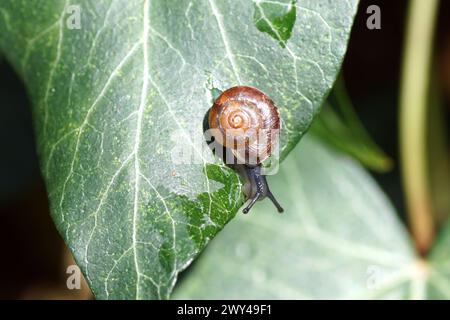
245 121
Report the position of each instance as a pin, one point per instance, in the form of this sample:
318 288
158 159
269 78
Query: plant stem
413 119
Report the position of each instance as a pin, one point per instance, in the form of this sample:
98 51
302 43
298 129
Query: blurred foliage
340 126
339 238
439 166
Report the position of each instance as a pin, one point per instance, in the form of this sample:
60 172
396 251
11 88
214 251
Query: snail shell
247 122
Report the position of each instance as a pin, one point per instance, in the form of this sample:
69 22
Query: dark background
33 256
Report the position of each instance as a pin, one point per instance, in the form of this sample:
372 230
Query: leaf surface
118 101
338 238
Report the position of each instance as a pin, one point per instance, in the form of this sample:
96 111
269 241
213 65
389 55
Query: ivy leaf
119 91
339 238
436 278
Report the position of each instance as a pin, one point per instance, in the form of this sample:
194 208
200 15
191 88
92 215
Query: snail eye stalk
259 189
275 202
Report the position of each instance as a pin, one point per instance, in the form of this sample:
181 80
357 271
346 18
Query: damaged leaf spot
277 19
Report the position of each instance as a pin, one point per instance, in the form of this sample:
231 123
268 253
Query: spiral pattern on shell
247 122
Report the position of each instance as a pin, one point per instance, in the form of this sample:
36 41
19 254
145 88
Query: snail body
246 121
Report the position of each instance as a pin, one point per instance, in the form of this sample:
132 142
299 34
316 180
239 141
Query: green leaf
438 270
338 238
112 99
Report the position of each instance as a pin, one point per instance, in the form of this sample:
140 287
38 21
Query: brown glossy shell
246 121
